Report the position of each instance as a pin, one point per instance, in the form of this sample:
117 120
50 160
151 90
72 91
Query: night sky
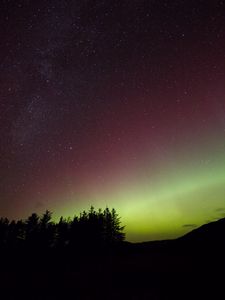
117 103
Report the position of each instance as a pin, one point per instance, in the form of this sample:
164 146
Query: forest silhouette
87 257
93 229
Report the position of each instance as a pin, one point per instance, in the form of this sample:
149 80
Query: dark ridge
210 236
87 258
210 232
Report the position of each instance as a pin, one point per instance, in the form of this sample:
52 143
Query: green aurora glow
154 207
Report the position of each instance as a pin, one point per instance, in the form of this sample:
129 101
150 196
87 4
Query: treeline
94 228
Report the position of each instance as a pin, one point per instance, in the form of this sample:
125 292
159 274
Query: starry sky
114 103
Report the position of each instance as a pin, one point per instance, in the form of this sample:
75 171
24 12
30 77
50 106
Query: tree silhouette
4 223
32 229
88 231
47 230
62 232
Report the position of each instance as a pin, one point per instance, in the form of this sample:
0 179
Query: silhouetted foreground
89 229
87 258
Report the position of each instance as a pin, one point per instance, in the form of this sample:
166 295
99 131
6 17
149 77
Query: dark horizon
90 215
87 258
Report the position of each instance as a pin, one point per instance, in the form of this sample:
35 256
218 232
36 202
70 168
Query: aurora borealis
114 103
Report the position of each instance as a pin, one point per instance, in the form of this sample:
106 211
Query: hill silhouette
87 258
211 234
208 236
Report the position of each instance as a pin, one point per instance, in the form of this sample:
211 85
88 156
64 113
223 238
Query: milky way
114 103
